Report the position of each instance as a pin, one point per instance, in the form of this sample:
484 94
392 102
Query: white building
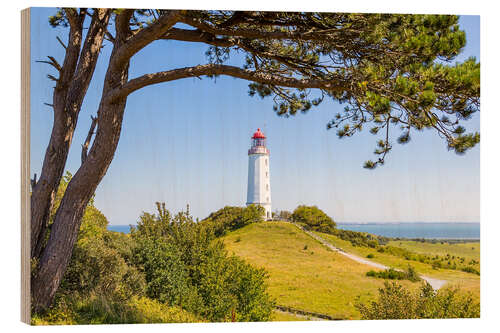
259 185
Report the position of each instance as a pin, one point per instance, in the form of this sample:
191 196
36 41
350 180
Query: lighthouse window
267 187
267 199
267 174
266 161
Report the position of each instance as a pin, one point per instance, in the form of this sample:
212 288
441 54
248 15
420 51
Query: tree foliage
186 266
232 218
396 302
390 70
314 218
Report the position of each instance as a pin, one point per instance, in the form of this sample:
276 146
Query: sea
435 230
428 230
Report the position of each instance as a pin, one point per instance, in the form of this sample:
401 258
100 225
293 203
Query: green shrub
167 276
186 265
314 218
411 274
233 290
232 218
396 302
357 238
371 273
370 256
392 274
100 262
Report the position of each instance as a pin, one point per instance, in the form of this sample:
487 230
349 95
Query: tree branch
72 49
89 55
33 182
197 36
86 144
61 42
53 62
319 35
216 69
144 37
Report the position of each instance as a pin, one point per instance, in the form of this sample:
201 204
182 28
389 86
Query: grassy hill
469 250
303 273
466 281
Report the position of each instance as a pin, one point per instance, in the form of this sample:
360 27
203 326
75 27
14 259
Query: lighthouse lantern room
259 185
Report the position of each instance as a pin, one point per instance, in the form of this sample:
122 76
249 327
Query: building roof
258 135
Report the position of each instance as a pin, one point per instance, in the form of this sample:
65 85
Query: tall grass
97 309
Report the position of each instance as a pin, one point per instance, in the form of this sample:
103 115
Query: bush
411 274
392 274
233 290
370 256
166 274
357 238
396 302
100 263
314 218
168 269
232 218
186 266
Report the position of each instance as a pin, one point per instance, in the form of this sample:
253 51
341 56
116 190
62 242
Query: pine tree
391 71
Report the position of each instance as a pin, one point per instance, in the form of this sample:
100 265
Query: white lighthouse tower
259 185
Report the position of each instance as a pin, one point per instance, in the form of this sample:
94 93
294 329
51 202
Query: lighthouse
259 185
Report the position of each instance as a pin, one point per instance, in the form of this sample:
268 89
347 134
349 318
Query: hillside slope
456 278
303 273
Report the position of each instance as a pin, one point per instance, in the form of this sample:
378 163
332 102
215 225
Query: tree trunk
56 255
64 231
72 84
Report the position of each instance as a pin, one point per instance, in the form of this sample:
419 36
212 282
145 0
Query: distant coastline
410 230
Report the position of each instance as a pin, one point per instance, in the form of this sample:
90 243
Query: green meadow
466 281
304 274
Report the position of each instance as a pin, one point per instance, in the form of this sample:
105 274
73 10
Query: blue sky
185 142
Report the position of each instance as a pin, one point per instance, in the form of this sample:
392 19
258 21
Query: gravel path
301 316
435 283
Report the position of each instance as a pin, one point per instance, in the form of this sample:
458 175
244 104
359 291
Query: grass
466 250
97 309
466 281
303 274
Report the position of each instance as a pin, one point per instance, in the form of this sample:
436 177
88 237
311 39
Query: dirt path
308 315
301 316
435 283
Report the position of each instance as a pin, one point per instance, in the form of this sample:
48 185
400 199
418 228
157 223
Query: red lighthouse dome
258 143
258 135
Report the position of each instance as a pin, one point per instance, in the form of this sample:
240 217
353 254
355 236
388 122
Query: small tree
314 218
232 218
396 302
